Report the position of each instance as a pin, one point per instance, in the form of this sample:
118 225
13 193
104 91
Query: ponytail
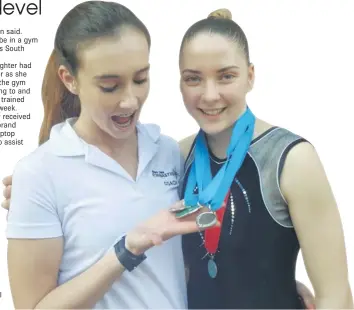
58 102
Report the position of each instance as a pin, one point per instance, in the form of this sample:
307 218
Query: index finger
7 180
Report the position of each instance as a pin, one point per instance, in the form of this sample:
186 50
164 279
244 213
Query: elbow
348 299
338 298
31 305
22 305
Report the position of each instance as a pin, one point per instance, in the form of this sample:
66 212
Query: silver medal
206 219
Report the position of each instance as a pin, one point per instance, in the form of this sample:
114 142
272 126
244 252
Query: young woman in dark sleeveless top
278 199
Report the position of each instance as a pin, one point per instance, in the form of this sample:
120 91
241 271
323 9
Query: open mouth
123 120
212 112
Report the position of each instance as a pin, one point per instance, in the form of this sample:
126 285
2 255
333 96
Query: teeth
125 115
212 112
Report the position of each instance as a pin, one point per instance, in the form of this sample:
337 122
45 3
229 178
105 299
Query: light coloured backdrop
303 55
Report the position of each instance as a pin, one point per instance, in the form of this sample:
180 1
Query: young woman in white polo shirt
83 189
91 202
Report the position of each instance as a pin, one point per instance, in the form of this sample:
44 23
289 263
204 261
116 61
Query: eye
227 77
139 82
108 89
193 80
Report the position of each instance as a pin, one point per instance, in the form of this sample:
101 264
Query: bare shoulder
302 157
186 144
303 154
303 174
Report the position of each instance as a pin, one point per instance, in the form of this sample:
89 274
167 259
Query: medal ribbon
212 191
212 235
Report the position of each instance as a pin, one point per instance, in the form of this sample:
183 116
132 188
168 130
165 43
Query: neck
218 143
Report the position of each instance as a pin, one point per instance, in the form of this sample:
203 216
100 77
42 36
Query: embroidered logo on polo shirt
171 177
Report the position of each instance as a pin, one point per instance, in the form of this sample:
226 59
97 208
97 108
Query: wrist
127 259
135 251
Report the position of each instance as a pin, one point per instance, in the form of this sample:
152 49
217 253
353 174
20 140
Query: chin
214 129
123 134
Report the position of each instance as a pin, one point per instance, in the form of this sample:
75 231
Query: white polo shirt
69 188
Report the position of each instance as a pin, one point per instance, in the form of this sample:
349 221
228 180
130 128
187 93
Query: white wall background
303 55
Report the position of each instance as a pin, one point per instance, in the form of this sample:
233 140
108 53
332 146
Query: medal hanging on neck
212 191
212 237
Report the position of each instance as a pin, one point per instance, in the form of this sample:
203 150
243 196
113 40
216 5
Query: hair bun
220 14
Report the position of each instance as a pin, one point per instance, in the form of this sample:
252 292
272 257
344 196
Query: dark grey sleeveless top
258 246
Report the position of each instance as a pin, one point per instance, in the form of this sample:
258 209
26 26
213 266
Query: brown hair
220 22
220 14
85 22
58 102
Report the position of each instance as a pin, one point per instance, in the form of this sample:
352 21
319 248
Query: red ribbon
212 235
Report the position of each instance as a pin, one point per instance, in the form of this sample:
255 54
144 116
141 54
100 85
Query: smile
212 112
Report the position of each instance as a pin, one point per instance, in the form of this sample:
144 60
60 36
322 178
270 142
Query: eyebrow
219 71
116 76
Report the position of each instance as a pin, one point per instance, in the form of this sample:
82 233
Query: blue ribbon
212 191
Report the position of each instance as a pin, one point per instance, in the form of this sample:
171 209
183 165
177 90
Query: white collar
64 141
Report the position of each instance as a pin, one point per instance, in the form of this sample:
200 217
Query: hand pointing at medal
161 227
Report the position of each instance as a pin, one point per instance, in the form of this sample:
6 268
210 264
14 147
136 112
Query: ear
68 79
251 76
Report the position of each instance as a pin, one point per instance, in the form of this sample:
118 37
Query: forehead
124 53
209 51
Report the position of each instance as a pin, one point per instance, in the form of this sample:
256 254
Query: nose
130 103
211 92
129 99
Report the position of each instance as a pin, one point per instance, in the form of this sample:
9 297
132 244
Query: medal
212 237
206 220
212 268
185 210
212 190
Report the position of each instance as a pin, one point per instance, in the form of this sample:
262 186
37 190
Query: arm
33 280
306 295
35 247
33 268
318 226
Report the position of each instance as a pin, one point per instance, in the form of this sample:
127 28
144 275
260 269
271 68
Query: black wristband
127 258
